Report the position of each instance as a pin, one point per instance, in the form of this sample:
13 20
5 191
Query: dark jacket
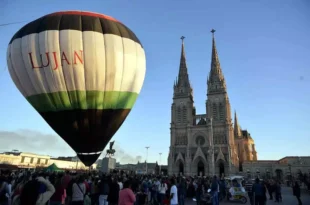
258 189
214 186
296 190
104 187
114 193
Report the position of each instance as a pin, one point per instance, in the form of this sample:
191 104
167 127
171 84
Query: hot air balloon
82 72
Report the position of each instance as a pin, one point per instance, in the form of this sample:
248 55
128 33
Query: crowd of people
65 188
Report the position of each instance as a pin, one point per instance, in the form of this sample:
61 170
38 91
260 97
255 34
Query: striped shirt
248 186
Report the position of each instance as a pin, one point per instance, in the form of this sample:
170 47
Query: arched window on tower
179 115
184 114
214 111
221 111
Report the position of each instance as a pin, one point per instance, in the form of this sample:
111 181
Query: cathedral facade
206 144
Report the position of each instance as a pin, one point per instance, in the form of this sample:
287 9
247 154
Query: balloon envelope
82 72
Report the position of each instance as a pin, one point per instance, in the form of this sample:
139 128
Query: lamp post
160 163
147 148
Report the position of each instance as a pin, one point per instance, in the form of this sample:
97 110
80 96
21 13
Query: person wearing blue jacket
258 190
214 191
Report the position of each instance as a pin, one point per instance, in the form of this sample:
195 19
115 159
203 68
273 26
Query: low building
32 161
139 168
287 168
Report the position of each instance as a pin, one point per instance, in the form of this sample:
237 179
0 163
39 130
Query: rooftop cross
213 31
182 38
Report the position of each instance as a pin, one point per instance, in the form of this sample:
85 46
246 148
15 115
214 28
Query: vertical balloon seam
106 65
94 119
51 84
35 87
43 72
12 71
63 95
81 95
61 67
78 103
33 76
84 70
58 95
21 58
123 68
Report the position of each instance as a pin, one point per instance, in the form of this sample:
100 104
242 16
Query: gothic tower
182 112
205 144
218 108
244 144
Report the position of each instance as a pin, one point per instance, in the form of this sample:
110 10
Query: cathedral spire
183 75
237 129
215 61
183 86
216 81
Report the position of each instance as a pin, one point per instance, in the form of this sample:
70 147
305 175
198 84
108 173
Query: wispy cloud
48 144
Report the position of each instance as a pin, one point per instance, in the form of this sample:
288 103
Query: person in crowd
222 189
33 194
296 192
278 192
120 183
104 190
66 179
58 196
173 193
264 198
114 192
126 195
94 191
162 191
78 191
198 191
5 190
258 191
248 189
214 191
270 187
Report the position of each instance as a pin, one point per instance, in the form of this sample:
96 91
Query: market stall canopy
52 168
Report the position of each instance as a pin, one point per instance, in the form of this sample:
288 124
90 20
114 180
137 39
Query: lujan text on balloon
43 62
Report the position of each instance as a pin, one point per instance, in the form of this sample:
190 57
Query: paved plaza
287 197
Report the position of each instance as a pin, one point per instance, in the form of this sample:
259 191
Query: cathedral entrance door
200 168
222 169
181 168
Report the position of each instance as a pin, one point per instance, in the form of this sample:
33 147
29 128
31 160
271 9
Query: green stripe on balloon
70 100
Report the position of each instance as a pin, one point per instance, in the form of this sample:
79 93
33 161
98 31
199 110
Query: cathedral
206 144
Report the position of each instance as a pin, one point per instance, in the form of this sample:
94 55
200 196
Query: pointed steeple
216 81
237 129
182 85
183 75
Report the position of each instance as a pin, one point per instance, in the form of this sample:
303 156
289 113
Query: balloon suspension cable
12 23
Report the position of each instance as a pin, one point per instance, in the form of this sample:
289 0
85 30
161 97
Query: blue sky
264 52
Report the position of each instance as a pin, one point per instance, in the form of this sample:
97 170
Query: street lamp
147 148
160 163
